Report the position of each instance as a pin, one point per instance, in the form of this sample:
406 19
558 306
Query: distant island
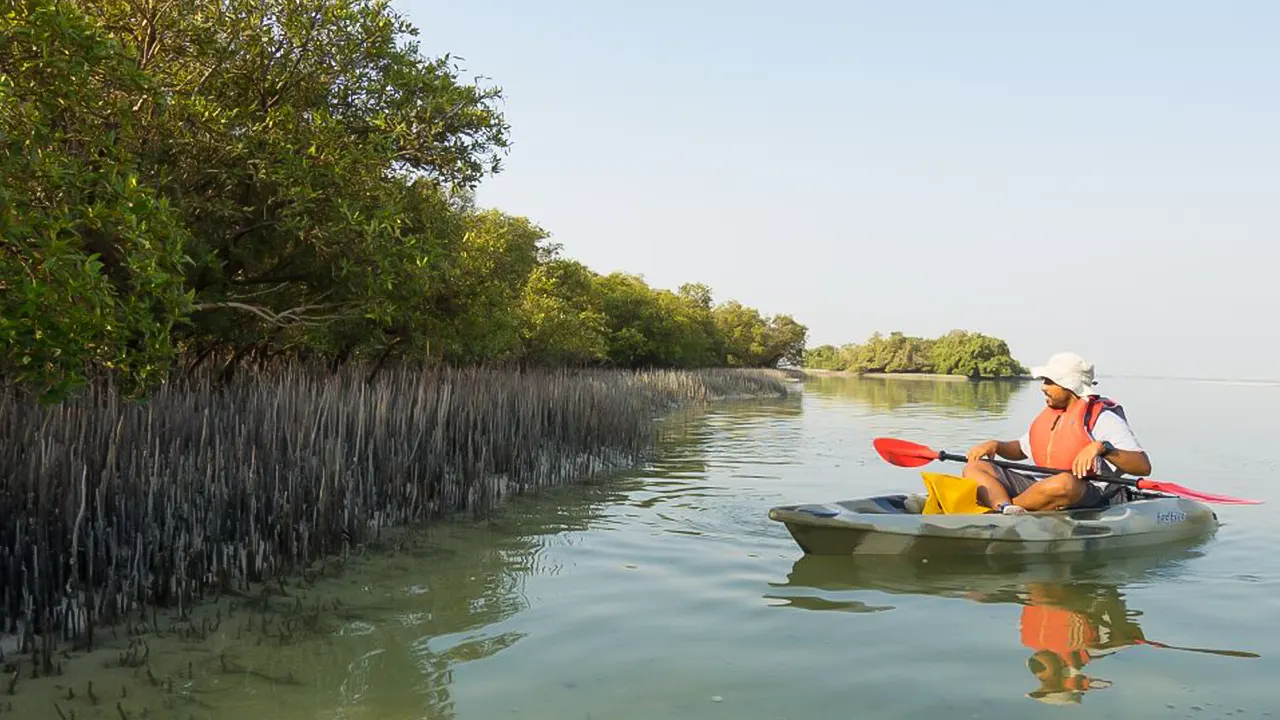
959 352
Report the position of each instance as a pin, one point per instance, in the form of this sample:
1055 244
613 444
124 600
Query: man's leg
996 485
1058 492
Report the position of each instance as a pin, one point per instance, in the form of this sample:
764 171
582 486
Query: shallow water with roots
667 591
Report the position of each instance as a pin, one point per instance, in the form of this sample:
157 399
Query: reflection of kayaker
1072 613
1067 627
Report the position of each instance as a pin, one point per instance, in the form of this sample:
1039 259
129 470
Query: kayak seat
913 504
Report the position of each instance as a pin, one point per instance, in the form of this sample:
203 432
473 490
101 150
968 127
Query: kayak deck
894 525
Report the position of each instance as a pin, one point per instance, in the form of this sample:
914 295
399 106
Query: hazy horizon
919 168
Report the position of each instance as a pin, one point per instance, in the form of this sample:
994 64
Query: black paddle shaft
944 455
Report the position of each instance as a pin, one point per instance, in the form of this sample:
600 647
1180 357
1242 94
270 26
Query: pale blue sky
1096 176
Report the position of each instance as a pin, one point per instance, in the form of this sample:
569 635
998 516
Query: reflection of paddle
1229 653
908 454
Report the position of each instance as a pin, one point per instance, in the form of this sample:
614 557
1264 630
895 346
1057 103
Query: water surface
668 592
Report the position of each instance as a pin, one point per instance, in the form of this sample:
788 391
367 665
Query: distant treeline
233 182
957 353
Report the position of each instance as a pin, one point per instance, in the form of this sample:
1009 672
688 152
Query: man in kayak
1079 433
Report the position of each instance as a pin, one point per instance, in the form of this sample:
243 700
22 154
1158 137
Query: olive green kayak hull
893 525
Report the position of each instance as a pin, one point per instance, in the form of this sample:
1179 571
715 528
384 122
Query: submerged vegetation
223 182
957 353
113 508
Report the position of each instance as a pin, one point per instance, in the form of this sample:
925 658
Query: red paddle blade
1176 489
903 453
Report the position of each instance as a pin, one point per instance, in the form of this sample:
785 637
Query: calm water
669 593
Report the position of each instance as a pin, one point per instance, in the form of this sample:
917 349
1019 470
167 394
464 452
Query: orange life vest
1067 634
1057 436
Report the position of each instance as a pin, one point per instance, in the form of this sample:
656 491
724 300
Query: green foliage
91 260
974 355
957 353
755 341
311 150
826 357
482 286
562 319
236 181
576 316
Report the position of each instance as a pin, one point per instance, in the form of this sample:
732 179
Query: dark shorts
1016 483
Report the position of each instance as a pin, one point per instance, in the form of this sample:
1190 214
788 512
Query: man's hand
983 450
1083 464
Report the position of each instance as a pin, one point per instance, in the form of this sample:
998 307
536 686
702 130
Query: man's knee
1064 487
979 470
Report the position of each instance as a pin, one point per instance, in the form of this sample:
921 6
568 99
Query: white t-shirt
1109 427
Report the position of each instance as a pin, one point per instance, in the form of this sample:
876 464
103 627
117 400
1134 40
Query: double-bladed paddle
908 454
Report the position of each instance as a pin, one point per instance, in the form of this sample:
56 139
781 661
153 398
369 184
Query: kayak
895 525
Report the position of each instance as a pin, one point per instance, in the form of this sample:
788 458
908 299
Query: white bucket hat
1070 371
